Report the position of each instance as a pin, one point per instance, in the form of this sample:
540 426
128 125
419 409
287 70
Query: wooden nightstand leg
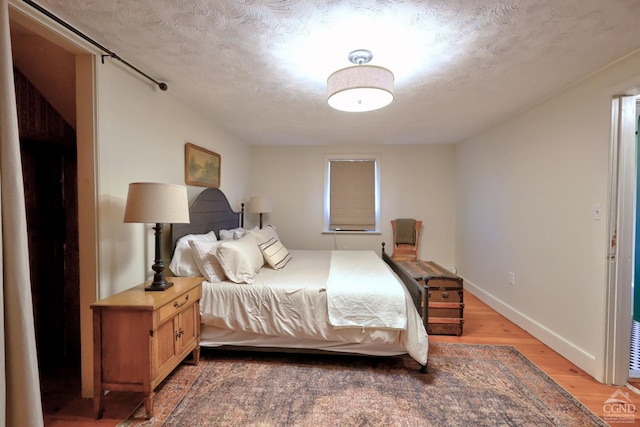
196 355
97 404
97 364
148 406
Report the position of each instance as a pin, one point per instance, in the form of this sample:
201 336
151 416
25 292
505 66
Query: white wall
141 136
524 204
417 181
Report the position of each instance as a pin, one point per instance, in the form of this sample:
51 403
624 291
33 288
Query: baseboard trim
565 348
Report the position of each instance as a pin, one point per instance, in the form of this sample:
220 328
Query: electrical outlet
512 278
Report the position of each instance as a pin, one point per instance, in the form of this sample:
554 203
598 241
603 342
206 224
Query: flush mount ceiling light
361 87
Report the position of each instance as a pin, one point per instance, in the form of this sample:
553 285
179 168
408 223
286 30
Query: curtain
19 380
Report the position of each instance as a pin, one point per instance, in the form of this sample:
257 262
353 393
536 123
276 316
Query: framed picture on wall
201 167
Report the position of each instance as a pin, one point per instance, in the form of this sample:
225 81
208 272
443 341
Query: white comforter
292 304
363 292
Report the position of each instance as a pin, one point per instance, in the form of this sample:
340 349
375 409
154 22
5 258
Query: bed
352 302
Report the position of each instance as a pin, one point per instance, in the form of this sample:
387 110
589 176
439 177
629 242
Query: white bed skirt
216 337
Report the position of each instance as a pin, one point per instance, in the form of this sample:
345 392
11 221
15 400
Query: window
351 193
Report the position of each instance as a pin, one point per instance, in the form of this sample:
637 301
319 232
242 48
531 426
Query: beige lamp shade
151 202
260 204
360 88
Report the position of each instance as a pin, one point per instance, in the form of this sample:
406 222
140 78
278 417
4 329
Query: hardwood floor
482 326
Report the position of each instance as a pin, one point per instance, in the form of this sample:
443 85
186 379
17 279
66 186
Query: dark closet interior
49 163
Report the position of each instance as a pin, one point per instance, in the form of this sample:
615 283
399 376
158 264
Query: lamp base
159 282
159 286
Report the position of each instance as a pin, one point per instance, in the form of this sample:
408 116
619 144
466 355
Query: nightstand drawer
168 311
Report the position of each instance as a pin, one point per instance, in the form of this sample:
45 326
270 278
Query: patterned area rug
466 385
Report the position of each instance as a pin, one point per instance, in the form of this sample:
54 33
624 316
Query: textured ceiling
258 68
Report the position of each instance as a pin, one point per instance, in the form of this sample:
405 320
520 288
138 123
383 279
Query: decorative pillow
208 264
183 263
234 233
241 259
265 233
274 252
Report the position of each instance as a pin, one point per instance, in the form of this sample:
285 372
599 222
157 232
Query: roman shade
352 195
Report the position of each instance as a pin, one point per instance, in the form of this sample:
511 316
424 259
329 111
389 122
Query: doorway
620 238
66 70
634 352
52 225
49 171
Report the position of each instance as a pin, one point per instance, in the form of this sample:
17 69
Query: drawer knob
179 333
176 304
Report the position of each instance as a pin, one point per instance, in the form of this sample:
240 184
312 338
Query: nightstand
139 338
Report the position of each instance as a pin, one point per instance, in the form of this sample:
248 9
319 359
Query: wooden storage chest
445 301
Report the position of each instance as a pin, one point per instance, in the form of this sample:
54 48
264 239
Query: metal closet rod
109 53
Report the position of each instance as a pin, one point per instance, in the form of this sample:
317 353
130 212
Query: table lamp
260 205
151 202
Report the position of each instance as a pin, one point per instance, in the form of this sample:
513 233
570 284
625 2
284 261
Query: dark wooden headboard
210 211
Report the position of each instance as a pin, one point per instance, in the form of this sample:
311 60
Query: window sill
375 232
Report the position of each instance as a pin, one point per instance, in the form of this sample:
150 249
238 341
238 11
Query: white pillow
241 259
207 263
233 234
274 252
183 263
264 234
